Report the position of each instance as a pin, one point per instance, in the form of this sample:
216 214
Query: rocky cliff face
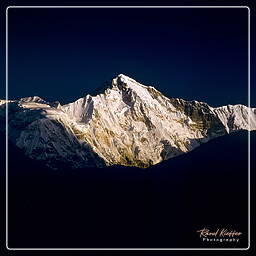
128 124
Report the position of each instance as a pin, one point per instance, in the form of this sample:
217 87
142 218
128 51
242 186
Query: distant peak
33 99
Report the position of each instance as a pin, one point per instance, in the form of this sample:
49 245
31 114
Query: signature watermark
219 235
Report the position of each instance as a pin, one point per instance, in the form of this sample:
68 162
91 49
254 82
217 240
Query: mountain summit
128 124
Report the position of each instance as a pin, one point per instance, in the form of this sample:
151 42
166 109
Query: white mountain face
128 124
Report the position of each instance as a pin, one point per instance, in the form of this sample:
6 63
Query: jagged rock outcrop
128 124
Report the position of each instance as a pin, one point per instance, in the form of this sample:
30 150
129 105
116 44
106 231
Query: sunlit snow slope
128 124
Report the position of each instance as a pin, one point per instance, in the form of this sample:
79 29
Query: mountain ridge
127 124
105 198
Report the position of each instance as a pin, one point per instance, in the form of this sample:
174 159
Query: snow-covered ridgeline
128 124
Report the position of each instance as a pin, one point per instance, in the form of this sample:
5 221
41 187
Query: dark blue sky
63 54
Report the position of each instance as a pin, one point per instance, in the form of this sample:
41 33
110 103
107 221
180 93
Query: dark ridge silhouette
162 206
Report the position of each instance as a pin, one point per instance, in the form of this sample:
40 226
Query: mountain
119 206
127 124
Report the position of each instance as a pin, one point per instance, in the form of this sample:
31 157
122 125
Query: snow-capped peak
33 99
127 124
132 89
123 81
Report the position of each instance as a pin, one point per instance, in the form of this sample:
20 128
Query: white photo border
132 249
